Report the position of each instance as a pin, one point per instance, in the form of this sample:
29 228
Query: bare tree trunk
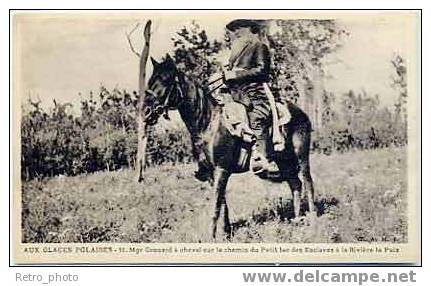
142 134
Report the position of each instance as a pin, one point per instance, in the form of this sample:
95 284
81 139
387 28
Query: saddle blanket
237 123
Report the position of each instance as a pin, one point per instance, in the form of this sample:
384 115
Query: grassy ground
360 196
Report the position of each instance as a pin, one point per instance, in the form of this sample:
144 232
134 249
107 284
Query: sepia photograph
216 136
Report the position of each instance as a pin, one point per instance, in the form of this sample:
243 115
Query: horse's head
164 90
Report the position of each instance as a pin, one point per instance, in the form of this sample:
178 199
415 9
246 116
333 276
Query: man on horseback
247 73
214 132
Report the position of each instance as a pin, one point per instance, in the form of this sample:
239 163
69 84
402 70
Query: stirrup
268 167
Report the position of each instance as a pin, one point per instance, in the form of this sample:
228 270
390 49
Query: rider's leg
259 162
260 123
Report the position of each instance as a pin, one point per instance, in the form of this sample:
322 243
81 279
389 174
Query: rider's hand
215 76
229 75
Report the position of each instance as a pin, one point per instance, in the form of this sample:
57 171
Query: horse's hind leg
308 184
221 178
295 187
301 145
289 171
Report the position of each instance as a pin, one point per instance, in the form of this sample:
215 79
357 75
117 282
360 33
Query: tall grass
360 197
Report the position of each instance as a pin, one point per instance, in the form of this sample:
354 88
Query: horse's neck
196 109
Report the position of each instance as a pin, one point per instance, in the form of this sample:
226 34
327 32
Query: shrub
102 137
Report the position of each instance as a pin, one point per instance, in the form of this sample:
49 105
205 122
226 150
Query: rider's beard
239 43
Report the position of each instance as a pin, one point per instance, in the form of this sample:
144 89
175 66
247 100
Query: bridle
174 93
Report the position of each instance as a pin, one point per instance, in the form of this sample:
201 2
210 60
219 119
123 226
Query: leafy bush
102 137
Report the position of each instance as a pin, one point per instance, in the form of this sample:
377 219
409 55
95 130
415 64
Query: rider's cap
243 23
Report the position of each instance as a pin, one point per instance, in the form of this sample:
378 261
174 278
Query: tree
298 48
142 127
328 110
194 53
359 110
399 83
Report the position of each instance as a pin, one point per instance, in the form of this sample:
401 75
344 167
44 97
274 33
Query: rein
175 86
221 78
164 107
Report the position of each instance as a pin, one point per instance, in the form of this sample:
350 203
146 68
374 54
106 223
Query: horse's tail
299 117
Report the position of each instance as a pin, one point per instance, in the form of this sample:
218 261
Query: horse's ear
154 62
169 59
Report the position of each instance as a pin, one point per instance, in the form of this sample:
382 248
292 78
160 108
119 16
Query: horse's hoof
297 220
202 176
312 215
228 235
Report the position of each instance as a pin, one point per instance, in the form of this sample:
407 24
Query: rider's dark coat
250 60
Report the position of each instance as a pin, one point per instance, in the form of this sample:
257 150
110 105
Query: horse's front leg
227 226
221 178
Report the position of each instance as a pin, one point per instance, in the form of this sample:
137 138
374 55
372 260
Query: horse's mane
196 105
200 104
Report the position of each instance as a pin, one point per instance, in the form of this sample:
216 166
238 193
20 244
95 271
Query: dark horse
170 89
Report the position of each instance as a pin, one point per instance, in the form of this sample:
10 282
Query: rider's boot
259 162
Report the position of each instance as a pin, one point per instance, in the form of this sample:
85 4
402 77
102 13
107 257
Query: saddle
237 123
235 114
235 119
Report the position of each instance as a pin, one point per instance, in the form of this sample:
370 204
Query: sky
60 57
